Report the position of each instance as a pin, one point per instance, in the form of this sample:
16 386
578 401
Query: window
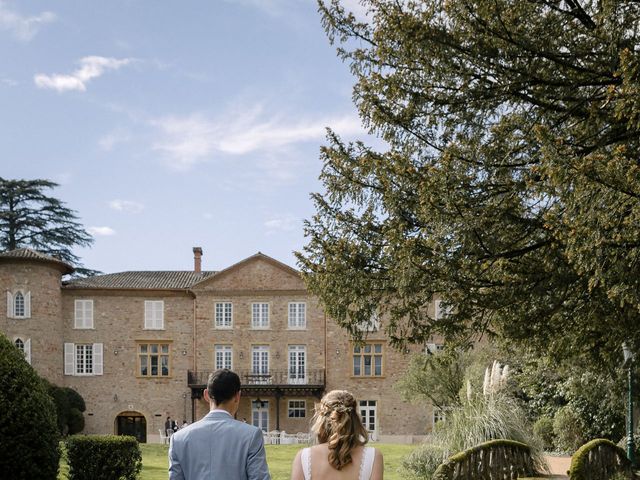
154 314
25 347
442 311
368 414
224 314
297 364
260 364
259 315
19 304
153 360
372 325
84 314
298 315
83 359
367 360
439 415
433 348
297 409
224 354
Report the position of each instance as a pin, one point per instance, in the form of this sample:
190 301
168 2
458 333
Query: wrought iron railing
272 378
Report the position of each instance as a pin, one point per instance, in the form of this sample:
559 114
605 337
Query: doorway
132 423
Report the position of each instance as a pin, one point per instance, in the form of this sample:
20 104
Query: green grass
279 457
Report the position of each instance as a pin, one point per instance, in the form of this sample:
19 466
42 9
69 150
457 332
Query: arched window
19 344
18 305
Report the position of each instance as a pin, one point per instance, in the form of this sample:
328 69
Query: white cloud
9 82
111 139
193 139
282 223
90 68
127 206
21 27
101 231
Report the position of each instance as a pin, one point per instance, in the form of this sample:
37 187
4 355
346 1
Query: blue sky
173 124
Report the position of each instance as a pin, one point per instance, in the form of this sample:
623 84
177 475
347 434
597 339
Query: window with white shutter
83 314
27 350
69 359
154 314
9 305
97 359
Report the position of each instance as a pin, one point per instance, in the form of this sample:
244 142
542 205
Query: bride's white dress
366 466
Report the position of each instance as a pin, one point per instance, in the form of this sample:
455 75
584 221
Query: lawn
279 458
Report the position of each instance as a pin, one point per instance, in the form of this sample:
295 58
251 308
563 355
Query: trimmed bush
28 431
543 429
105 457
567 428
75 421
599 459
69 407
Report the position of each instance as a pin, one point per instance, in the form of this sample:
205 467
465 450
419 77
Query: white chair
163 437
303 438
275 437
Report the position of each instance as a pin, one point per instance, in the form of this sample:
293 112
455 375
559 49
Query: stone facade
248 314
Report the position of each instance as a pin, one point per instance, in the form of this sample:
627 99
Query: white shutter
69 359
159 315
431 348
148 314
88 314
27 351
78 323
97 359
27 305
9 305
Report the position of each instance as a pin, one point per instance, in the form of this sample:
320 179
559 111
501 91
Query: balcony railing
273 378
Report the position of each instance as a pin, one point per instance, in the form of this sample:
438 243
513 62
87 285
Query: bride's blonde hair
337 423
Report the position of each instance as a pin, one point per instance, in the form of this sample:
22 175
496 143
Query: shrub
480 419
28 431
75 421
568 430
543 429
106 457
75 399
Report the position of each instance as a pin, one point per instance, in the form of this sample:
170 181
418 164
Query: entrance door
297 364
134 424
368 414
260 414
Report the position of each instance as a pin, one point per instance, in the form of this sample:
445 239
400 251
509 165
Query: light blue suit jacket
218 447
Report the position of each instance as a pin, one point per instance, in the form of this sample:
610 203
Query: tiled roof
167 280
29 254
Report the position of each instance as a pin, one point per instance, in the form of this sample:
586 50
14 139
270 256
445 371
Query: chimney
197 259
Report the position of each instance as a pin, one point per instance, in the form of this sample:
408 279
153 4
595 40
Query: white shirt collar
220 410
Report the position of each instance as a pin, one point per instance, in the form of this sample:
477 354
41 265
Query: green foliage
543 429
502 452
28 433
600 458
475 421
75 421
75 399
509 179
108 457
568 429
69 407
30 218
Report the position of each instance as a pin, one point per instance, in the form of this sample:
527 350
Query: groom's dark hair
223 384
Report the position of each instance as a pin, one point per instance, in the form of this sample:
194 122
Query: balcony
276 383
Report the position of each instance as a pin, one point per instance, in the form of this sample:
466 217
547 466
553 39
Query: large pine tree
511 182
32 219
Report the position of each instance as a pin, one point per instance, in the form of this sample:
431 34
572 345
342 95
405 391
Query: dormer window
19 304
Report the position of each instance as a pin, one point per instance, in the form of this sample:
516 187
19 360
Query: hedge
105 457
495 457
598 459
29 439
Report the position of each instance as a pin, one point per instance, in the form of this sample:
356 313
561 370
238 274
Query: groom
219 447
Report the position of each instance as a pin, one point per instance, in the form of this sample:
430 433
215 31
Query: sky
169 125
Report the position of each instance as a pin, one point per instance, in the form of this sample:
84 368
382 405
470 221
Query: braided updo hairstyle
337 423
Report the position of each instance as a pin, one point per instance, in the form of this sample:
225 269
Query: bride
341 453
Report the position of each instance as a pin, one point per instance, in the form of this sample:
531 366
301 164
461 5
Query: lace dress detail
366 465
